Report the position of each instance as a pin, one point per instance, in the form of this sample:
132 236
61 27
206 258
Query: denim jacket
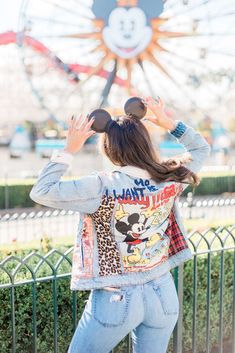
130 230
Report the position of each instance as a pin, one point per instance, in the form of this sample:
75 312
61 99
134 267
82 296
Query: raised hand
160 117
78 132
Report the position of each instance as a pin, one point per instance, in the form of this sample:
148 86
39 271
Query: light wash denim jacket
130 230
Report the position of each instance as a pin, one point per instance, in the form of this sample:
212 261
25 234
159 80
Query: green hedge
15 196
215 185
23 306
18 193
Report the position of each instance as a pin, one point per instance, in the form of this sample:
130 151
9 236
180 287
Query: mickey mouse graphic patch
139 229
142 243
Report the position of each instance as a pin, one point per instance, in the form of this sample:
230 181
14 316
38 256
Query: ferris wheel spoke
169 23
53 20
183 4
169 34
67 10
180 87
180 45
82 3
57 64
150 57
148 82
88 35
156 46
129 78
188 60
108 85
95 70
215 16
191 8
207 15
221 53
195 77
98 48
80 35
213 34
84 50
152 90
178 35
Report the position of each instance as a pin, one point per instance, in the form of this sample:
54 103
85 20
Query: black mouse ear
102 120
133 218
134 106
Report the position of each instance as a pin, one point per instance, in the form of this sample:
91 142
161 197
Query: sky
9 14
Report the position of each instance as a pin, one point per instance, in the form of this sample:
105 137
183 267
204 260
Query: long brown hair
127 142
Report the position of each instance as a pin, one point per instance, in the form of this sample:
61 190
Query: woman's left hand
160 117
79 131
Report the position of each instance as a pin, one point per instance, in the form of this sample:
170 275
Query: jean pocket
110 309
168 296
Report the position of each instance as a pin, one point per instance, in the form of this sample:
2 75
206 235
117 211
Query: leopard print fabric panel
109 255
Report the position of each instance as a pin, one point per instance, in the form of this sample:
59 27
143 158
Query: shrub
214 185
15 195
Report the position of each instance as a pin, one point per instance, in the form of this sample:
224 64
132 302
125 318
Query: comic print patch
83 252
140 225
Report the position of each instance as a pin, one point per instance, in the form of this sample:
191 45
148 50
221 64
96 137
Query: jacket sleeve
195 145
82 195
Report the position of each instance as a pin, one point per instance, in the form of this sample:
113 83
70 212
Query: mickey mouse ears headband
103 120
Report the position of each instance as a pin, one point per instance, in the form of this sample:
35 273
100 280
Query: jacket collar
133 171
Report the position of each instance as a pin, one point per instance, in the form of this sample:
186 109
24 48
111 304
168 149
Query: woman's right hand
78 132
160 117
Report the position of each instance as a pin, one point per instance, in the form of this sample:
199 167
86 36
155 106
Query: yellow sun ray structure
148 54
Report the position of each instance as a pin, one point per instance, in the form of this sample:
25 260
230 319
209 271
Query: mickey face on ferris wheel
127 30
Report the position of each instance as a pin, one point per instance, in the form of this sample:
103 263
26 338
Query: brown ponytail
127 142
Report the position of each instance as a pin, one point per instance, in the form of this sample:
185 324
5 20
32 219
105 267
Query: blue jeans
149 311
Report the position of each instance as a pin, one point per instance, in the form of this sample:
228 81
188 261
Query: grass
202 223
36 244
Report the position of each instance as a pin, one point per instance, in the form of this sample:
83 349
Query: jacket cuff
179 130
62 157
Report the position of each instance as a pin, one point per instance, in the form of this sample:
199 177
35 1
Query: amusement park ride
83 54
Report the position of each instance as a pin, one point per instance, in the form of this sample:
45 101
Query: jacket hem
127 279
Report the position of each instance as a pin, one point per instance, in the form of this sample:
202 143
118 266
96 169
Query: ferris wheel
80 54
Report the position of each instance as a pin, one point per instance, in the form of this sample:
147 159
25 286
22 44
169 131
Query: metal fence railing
34 224
207 207
39 313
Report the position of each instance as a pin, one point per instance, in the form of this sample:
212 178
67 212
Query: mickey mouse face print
127 33
127 30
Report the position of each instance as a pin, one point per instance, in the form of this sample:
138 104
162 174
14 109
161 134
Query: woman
130 234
